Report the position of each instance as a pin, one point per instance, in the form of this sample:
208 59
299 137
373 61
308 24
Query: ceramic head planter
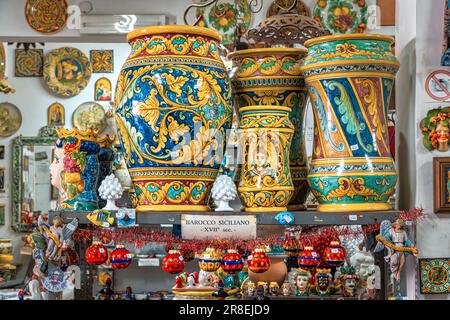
172 115
286 289
323 282
348 281
350 79
75 169
435 128
302 283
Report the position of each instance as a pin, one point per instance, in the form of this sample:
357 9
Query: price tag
148 262
334 250
353 217
204 227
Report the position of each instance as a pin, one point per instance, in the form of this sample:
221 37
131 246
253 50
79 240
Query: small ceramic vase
271 76
350 80
265 138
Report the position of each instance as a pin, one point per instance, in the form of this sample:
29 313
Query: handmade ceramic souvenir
271 76
110 190
67 71
347 281
90 116
75 168
265 181
280 6
350 79
334 254
258 262
395 239
302 282
308 258
120 257
29 63
210 260
56 115
10 119
286 289
342 16
96 254
232 262
264 285
251 289
274 288
46 16
223 191
102 61
434 276
436 129
228 18
172 115
103 90
323 282
173 262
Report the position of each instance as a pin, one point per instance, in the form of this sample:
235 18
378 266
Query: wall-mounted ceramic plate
90 115
10 119
46 16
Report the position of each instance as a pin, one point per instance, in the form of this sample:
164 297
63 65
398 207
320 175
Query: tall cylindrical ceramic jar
271 76
265 138
349 80
173 107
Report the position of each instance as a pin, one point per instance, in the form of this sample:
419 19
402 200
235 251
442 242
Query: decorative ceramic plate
46 16
90 115
67 71
2 61
434 276
224 18
301 8
342 16
10 119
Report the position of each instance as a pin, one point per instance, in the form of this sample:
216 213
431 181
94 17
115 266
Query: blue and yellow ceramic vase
350 79
272 76
173 107
265 134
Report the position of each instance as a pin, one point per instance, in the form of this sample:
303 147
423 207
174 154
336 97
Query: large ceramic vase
276 273
271 76
173 107
350 79
265 134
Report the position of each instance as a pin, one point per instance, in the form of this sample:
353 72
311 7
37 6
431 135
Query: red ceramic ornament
120 257
334 254
69 257
96 254
308 258
258 261
232 262
292 247
173 262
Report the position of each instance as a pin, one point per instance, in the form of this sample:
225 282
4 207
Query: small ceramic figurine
395 238
348 281
435 129
260 294
223 191
21 294
302 283
251 289
323 283
371 289
286 289
129 294
191 281
34 287
110 190
204 278
273 288
265 285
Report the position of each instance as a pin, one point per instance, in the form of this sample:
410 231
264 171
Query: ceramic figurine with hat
302 283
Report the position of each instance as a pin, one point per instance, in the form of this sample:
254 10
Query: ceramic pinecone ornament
110 190
223 191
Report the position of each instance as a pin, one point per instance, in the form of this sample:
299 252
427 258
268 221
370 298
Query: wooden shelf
310 217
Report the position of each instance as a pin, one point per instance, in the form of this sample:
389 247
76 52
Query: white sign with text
218 227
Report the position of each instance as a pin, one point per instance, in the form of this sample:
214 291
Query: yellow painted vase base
273 209
170 208
354 207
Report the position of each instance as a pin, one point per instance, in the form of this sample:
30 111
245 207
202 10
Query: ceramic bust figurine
435 129
302 284
324 282
223 191
273 288
75 169
286 289
110 190
348 281
251 289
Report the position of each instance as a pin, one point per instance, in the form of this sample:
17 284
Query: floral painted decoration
435 128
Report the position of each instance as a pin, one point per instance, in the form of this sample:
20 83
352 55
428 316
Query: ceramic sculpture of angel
223 191
394 237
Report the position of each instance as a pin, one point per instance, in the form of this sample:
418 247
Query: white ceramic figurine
223 191
110 190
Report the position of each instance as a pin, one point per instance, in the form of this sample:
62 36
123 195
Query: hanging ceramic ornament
173 262
334 254
258 262
232 262
96 254
120 257
308 258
